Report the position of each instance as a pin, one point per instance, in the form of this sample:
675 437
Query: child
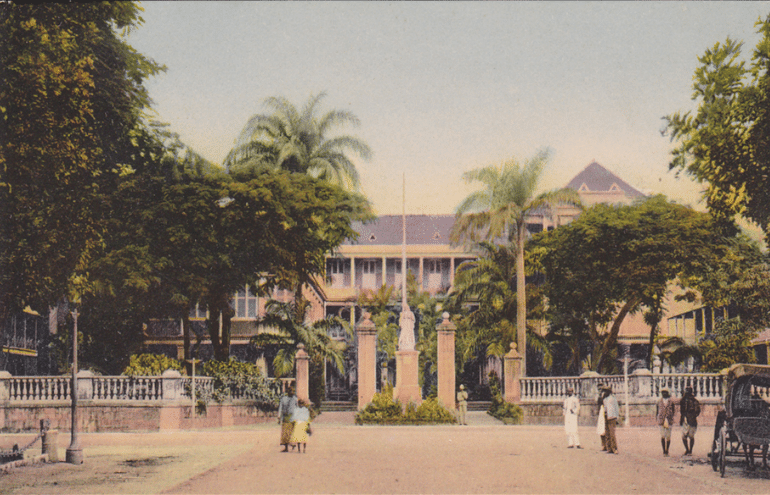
301 418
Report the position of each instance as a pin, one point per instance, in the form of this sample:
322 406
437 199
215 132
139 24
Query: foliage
728 344
615 260
280 329
500 409
297 141
384 410
72 96
234 378
151 365
725 142
500 211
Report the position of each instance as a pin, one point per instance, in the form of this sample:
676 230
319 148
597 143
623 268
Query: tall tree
616 260
500 210
71 97
725 143
299 141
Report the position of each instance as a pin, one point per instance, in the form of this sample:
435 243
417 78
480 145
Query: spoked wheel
715 455
722 450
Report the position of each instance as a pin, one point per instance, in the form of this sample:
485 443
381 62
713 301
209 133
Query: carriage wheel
722 450
714 455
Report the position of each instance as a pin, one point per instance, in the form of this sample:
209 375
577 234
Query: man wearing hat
462 405
689 409
571 413
611 413
665 416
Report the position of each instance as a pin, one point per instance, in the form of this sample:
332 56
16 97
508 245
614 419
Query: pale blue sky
445 87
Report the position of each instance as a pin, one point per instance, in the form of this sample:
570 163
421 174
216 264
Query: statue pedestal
407 386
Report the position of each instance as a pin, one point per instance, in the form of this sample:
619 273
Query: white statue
406 336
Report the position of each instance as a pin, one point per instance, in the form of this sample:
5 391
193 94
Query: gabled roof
595 178
420 229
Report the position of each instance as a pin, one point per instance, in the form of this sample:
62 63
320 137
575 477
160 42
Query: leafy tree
298 141
729 343
500 210
71 98
616 260
726 141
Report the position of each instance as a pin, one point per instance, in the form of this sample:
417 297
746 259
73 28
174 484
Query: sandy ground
484 457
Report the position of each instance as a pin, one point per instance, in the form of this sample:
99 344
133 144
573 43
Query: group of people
294 418
609 412
689 410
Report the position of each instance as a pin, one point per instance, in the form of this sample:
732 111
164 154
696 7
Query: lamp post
74 451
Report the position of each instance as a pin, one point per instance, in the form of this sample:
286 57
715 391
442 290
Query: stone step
338 405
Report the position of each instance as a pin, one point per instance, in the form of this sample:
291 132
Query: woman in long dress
301 420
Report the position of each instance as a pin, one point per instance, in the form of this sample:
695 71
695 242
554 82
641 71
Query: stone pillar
50 441
171 382
302 361
446 362
85 385
367 361
407 384
641 383
5 385
512 373
589 385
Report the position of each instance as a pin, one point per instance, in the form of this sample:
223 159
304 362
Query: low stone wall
641 413
135 416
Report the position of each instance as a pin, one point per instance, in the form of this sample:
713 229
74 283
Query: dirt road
485 458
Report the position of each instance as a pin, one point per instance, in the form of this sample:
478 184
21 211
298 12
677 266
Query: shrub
384 410
241 380
504 411
151 365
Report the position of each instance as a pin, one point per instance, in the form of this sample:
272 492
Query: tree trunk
612 339
521 296
186 342
212 325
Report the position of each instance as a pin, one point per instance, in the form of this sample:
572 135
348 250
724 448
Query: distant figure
462 405
689 409
571 413
601 428
611 415
286 408
665 417
301 420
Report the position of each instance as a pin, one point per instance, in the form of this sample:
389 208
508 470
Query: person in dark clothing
689 410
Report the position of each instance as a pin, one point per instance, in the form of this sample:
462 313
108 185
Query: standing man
462 405
571 413
665 416
689 410
601 427
612 412
286 408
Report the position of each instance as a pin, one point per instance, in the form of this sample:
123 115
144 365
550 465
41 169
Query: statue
406 336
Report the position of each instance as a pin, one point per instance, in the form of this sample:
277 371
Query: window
245 304
198 312
336 266
434 266
369 267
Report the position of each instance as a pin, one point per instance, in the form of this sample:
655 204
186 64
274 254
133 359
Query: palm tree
299 142
286 333
500 211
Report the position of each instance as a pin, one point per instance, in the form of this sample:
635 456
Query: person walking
689 410
571 412
301 421
462 405
286 407
665 416
611 413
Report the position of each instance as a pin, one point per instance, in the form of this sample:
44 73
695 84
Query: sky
442 88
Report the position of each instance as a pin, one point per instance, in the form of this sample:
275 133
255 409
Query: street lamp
74 451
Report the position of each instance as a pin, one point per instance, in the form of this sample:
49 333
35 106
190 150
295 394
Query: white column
451 272
384 271
352 271
419 275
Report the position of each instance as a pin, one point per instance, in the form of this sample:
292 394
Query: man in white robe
571 413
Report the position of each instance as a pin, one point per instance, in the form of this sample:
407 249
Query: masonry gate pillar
367 361
512 372
303 373
446 362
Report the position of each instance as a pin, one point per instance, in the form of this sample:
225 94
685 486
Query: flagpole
403 243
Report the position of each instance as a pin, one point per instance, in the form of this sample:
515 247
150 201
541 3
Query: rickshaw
745 421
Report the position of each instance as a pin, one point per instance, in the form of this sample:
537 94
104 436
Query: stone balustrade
641 384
